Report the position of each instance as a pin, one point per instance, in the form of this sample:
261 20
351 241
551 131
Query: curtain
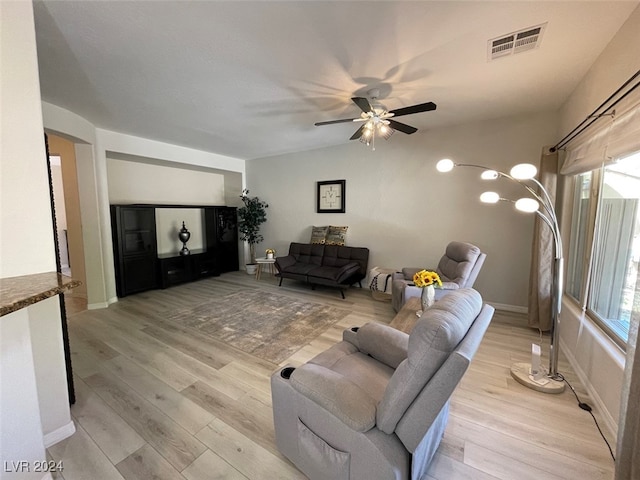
542 252
627 459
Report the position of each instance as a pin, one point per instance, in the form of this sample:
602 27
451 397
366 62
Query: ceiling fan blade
358 133
363 103
344 120
408 129
423 107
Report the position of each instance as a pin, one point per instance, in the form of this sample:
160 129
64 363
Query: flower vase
428 297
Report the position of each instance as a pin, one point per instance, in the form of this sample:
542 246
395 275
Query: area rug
270 326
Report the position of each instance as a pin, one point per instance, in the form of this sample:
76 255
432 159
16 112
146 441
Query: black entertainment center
139 267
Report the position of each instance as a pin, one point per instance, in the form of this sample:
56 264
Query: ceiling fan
377 119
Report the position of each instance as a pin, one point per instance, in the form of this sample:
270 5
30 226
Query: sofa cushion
300 268
361 369
336 394
339 256
307 253
458 261
334 274
384 343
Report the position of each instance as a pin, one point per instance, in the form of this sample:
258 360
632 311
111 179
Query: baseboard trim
97 306
509 308
59 434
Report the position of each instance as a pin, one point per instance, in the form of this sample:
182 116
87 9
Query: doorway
64 182
61 214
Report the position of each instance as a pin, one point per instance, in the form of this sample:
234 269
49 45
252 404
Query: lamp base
520 373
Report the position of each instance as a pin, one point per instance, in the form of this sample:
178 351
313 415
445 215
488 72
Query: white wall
136 182
596 359
20 424
403 210
24 196
168 224
30 339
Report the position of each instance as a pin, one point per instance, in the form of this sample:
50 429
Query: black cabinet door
138 231
134 248
174 270
139 274
222 236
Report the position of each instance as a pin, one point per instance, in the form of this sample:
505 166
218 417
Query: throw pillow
336 235
318 234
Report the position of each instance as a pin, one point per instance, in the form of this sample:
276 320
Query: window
603 273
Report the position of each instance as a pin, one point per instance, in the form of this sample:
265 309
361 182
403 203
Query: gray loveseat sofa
375 405
317 264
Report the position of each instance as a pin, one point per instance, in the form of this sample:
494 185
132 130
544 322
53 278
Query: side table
406 318
265 263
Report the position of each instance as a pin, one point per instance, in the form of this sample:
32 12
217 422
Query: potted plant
250 217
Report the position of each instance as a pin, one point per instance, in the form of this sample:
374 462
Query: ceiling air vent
516 42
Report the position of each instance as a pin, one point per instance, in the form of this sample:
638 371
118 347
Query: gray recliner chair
458 268
375 405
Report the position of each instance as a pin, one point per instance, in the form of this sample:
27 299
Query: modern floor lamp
529 374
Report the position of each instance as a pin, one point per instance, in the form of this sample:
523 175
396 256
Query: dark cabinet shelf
175 269
138 267
221 232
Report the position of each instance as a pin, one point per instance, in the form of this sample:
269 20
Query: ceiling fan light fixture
385 132
374 117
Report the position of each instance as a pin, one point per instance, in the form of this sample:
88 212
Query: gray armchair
458 268
375 405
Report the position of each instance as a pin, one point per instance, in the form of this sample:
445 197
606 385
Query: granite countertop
20 292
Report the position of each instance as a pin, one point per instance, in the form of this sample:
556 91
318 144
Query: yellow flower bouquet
425 278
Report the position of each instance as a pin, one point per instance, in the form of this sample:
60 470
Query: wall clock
330 196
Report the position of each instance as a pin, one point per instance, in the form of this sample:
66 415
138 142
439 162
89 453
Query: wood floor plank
210 466
107 429
248 416
145 464
175 444
82 459
563 457
444 467
250 374
501 466
180 409
149 356
198 348
253 461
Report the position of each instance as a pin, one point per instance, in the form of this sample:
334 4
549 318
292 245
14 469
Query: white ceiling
249 79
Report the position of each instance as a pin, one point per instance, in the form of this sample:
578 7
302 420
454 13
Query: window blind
606 140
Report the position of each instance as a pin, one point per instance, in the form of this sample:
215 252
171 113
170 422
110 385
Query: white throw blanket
380 280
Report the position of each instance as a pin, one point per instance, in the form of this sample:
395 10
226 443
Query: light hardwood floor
155 402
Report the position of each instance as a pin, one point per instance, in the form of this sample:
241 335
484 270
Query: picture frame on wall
330 196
